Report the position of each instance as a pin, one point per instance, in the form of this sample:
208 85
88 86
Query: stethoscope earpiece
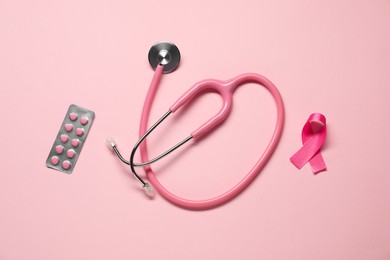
166 54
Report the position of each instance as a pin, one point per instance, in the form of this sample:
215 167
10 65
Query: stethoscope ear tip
149 190
110 142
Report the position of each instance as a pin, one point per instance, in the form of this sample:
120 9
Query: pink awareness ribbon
313 136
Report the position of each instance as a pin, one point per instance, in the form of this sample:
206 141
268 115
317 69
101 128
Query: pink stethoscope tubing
225 89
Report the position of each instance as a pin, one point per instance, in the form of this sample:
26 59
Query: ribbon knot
313 136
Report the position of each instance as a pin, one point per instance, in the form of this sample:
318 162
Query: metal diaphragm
166 54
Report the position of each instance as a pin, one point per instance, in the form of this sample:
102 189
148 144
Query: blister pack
70 139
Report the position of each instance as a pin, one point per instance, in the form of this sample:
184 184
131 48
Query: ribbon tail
317 163
303 155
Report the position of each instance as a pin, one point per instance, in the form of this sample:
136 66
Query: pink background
331 57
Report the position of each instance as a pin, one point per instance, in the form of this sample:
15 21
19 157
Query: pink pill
64 138
59 149
75 142
80 131
84 120
68 127
70 153
73 116
66 164
54 160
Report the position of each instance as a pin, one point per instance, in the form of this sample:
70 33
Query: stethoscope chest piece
166 54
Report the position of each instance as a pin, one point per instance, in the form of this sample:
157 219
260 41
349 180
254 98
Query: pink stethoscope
164 57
